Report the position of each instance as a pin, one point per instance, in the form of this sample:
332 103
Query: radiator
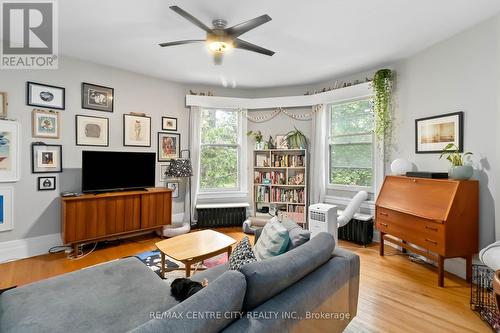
221 216
357 231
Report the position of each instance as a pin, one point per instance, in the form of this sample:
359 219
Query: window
220 150
351 144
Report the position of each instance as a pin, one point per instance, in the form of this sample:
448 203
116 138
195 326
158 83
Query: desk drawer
421 232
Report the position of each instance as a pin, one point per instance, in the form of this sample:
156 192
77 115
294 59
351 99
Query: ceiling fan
221 39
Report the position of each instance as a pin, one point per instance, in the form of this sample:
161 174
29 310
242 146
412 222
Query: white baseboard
28 247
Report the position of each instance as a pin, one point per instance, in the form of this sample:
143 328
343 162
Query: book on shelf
286 161
287 195
296 209
269 177
281 195
261 160
262 194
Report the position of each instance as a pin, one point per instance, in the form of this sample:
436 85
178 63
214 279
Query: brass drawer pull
431 241
384 224
431 228
383 214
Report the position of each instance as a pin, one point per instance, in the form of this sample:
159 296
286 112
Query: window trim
241 189
377 155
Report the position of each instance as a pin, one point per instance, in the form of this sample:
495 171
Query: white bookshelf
277 185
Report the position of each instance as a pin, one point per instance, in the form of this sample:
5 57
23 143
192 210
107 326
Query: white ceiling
313 40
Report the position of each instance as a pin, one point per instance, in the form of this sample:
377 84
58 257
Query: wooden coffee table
194 247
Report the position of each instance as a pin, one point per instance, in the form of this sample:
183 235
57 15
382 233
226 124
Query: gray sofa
308 287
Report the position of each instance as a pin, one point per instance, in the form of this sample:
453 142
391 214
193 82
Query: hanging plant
382 86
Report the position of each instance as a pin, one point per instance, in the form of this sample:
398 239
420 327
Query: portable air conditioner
323 218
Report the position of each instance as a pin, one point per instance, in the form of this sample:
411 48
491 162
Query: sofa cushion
112 297
221 297
241 255
268 277
296 233
273 240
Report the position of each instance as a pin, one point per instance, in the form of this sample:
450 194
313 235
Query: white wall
459 74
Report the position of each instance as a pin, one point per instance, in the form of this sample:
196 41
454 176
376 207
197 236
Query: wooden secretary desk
436 218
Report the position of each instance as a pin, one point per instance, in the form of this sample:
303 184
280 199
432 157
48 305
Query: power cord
80 254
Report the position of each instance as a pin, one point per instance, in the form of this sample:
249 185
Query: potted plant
259 145
382 87
296 139
457 169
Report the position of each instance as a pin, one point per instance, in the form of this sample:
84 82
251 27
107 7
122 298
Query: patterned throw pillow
273 240
241 255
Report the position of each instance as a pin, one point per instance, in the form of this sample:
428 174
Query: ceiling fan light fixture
219 46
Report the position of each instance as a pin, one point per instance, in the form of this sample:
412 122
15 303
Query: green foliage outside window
219 149
351 146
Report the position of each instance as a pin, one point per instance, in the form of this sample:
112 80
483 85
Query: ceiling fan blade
190 18
241 44
180 42
218 56
241 28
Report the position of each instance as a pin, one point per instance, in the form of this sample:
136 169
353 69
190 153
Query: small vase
259 145
460 172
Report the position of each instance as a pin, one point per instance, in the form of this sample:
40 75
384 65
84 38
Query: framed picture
169 145
3 104
96 97
45 96
169 124
136 131
175 189
432 134
46 158
6 208
46 183
10 155
45 124
92 131
163 170
281 142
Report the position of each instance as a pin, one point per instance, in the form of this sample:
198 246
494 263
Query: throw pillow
297 234
241 255
272 241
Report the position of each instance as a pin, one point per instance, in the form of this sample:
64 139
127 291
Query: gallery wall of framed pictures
47 102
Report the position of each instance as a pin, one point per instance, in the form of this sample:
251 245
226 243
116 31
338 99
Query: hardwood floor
396 295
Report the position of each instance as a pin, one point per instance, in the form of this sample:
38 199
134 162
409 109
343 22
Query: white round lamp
400 166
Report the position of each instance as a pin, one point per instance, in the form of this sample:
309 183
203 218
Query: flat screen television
105 171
